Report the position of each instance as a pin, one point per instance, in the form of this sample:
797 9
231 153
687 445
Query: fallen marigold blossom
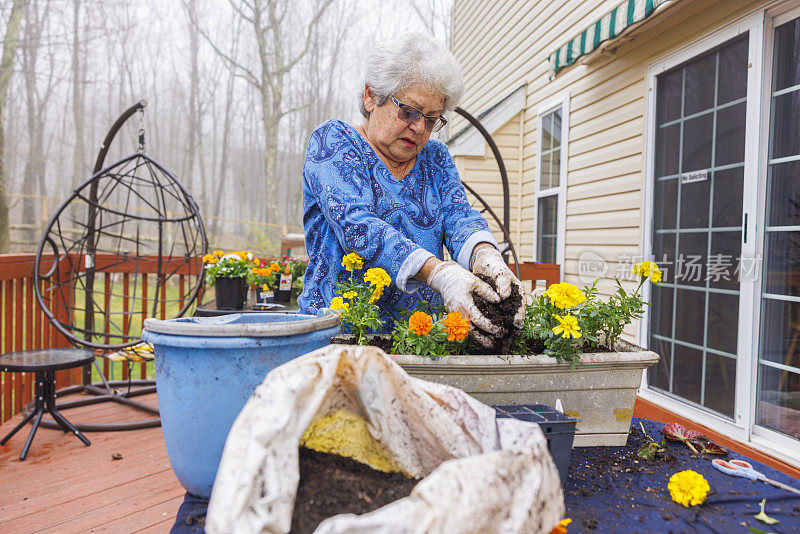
688 488
561 527
565 295
420 323
456 326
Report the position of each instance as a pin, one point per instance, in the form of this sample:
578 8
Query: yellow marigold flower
420 323
565 295
353 261
378 277
218 253
377 291
655 275
644 268
568 326
688 488
350 295
561 527
337 303
209 258
456 326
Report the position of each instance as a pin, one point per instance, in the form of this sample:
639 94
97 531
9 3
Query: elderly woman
385 190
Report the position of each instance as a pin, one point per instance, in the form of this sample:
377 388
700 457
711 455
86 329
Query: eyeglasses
410 115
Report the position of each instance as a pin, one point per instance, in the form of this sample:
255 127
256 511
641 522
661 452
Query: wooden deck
64 486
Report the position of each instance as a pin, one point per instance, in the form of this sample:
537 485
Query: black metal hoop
504 224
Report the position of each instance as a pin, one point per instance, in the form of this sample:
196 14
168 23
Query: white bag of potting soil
481 474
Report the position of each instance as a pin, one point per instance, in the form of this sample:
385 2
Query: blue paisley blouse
353 203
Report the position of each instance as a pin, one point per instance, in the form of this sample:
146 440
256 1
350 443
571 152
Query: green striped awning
608 27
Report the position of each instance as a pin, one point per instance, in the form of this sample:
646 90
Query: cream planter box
600 392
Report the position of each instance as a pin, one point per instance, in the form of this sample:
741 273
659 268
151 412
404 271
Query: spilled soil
332 484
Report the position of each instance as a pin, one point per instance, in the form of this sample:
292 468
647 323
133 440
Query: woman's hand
488 262
456 286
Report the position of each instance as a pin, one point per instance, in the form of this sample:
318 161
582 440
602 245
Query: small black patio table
44 363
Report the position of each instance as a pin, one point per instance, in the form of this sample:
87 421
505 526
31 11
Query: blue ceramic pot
207 368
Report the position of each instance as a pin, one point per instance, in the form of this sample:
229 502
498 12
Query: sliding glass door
778 394
701 111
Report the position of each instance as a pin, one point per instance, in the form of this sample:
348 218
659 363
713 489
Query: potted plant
228 273
569 350
288 279
263 280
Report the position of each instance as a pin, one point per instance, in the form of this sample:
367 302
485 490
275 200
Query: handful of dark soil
502 315
332 485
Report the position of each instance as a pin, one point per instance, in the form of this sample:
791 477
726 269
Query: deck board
64 486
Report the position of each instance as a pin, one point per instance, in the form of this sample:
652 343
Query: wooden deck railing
24 326
549 272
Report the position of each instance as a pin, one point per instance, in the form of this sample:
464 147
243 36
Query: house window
550 181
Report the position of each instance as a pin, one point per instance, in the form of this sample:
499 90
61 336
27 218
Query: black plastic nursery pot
283 296
231 293
264 297
558 428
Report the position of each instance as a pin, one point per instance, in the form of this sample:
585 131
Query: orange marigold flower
561 527
420 323
456 326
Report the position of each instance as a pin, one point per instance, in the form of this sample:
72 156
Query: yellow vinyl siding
483 175
503 44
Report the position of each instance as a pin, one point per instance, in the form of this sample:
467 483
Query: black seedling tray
558 428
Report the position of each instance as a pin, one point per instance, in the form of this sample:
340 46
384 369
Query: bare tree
275 60
435 16
77 93
10 42
36 106
226 131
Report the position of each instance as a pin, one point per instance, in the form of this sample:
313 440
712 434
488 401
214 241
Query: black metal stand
108 390
44 400
140 221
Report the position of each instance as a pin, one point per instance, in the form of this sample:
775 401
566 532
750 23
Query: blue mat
609 489
191 515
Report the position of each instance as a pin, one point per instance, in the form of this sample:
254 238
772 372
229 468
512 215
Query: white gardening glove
488 262
456 285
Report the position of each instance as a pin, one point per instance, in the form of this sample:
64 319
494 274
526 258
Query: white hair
412 58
